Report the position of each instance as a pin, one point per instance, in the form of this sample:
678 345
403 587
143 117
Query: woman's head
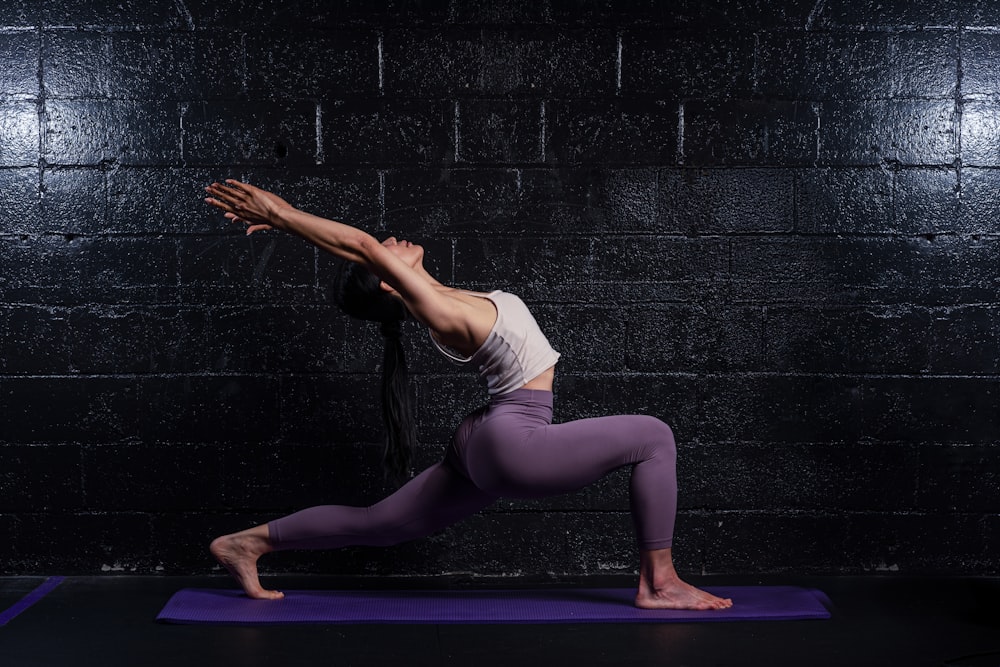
358 292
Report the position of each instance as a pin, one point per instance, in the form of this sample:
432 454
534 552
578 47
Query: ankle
246 542
657 568
255 544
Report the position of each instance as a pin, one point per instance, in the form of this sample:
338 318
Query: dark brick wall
772 224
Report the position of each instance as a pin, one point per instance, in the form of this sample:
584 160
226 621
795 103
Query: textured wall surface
773 224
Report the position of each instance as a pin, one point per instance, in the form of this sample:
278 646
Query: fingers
218 199
225 197
222 193
236 185
235 199
218 204
233 217
232 193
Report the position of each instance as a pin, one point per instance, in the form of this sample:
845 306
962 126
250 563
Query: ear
386 287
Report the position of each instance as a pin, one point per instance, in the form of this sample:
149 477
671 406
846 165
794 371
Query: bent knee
658 434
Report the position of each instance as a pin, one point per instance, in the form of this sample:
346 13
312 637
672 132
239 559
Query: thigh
558 458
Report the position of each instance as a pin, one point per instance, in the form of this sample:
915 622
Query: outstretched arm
260 209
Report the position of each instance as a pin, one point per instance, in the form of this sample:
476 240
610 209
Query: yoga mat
28 600
563 605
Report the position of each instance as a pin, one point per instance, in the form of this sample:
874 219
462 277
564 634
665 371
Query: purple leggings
509 448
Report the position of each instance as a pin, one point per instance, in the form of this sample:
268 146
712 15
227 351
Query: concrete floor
876 620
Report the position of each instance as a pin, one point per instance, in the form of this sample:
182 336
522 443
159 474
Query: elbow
363 243
362 248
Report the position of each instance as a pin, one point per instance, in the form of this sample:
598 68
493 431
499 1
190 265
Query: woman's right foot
678 595
238 553
661 588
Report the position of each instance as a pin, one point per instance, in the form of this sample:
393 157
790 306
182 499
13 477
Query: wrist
278 217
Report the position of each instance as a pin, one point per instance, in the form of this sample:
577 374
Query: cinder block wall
772 224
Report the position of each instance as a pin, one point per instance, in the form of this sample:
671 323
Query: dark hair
358 293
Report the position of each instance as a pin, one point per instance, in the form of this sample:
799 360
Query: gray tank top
514 353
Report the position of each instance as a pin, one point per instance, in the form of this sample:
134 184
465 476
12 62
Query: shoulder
468 318
469 308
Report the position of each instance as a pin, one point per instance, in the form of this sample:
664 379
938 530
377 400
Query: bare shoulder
472 318
455 316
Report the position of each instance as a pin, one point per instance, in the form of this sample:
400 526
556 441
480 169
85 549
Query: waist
534 405
541 382
524 396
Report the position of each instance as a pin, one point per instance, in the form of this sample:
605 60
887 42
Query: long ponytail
397 413
358 293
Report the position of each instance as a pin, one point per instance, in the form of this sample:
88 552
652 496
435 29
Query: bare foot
238 553
678 595
661 588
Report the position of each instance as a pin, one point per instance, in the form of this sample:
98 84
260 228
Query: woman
510 448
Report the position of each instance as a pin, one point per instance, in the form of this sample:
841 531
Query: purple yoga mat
563 605
22 605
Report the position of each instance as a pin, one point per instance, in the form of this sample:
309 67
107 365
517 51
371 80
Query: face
411 253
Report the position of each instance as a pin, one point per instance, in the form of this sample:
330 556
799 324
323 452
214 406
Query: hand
258 209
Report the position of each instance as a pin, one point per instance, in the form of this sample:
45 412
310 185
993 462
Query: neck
427 276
